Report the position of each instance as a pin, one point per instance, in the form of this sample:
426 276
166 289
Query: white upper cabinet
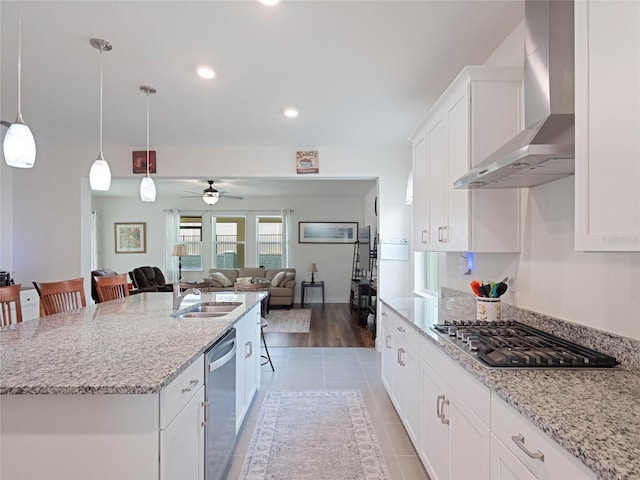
607 126
479 112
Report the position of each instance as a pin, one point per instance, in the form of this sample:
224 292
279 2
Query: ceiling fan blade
192 193
231 196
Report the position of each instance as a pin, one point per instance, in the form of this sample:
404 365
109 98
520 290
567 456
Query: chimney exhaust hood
544 150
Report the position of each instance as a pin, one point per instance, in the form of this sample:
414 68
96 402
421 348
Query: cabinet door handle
519 441
398 356
445 234
401 329
388 341
423 236
443 419
207 413
192 385
248 349
439 398
440 234
402 352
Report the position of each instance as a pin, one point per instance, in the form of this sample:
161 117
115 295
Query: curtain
287 260
171 237
94 241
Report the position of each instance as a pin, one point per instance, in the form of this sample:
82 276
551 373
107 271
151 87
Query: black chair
149 279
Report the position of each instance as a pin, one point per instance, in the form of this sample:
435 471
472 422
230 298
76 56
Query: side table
305 285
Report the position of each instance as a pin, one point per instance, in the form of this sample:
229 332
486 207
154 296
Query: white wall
50 202
599 290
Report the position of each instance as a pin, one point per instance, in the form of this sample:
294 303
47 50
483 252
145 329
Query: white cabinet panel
420 197
607 125
247 362
504 465
182 442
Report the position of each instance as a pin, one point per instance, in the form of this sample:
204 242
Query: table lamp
179 251
313 269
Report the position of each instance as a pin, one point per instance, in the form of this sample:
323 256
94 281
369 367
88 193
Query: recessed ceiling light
206 72
291 112
269 2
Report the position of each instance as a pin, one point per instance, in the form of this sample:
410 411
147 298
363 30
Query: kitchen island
590 417
96 392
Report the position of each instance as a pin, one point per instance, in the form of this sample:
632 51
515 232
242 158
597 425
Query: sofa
280 293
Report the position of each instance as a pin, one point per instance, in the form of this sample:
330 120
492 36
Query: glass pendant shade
100 175
19 146
147 190
211 198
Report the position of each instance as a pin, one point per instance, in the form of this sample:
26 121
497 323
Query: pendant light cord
147 133
101 102
19 61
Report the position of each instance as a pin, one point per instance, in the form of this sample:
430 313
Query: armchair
149 279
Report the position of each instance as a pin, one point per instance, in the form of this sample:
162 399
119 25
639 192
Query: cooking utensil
475 286
502 288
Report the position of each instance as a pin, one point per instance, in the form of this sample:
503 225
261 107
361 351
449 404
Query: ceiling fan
210 195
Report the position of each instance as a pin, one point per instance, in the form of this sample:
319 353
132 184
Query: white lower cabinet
247 362
400 370
455 442
182 443
460 429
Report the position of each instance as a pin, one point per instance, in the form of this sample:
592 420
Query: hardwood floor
332 325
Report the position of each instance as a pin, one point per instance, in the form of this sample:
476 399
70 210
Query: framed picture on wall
130 237
327 232
140 161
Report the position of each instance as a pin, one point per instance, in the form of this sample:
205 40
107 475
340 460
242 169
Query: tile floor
337 368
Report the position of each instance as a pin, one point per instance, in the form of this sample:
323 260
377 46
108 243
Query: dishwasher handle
216 364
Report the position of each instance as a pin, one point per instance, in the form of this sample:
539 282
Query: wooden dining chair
8 296
63 296
111 288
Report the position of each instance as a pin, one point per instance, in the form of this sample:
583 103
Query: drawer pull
388 343
192 385
401 329
443 419
438 399
519 441
207 414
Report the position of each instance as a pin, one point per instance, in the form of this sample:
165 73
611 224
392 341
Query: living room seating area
282 281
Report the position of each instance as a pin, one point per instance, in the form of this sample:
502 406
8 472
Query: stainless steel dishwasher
220 432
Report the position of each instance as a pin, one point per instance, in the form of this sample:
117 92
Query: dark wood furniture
305 285
10 295
63 296
111 287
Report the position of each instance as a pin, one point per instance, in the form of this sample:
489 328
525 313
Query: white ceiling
362 73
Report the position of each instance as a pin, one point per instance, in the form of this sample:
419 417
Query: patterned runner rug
296 320
314 435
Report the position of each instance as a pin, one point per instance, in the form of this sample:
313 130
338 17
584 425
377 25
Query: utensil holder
488 309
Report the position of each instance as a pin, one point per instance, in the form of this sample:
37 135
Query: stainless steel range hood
544 150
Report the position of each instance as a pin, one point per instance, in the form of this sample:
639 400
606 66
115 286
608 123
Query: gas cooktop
513 344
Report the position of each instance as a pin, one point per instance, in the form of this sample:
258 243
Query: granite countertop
594 414
128 346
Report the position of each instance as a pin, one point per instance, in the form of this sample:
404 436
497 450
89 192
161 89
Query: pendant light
100 173
147 187
19 146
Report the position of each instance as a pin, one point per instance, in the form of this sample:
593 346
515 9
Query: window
228 242
191 235
269 242
426 272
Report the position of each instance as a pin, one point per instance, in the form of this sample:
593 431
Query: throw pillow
244 280
288 276
277 279
221 279
213 282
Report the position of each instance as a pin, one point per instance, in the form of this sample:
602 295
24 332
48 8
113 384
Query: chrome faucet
179 296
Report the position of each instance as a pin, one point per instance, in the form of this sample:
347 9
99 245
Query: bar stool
9 295
56 297
267 357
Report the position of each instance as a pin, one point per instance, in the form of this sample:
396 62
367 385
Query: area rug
296 320
314 435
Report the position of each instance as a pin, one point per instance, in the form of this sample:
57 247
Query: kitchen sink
202 314
208 310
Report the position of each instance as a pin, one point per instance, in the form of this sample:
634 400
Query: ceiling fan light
211 198
147 190
100 175
19 146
